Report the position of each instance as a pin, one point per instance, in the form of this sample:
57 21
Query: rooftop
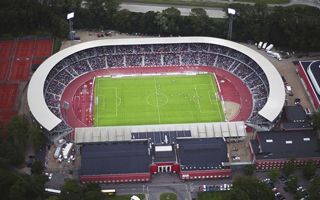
312 70
114 158
286 145
202 153
295 113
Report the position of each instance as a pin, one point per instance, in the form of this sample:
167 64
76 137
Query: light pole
231 13
70 16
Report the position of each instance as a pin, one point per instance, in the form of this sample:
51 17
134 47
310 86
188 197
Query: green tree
309 170
293 183
289 168
314 188
52 198
274 175
37 167
199 21
19 190
248 170
236 194
71 190
253 188
316 120
37 137
94 195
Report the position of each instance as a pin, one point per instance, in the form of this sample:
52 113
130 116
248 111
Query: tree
37 167
71 190
309 170
236 194
36 136
274 175
293 183
19 190
316 120
199 20
249 170
52 198
94 195
313 189
289 168
253 188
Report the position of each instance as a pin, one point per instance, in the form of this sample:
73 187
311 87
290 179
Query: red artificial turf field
5 49
6 116
20 70
8 95
43 48
25 49
4 67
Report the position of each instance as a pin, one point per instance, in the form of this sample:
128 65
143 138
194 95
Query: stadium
166 104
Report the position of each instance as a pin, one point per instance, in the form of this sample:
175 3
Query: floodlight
231 11
70 15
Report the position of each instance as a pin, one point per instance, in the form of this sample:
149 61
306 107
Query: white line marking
155 85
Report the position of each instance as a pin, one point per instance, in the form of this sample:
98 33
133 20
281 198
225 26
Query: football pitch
156 100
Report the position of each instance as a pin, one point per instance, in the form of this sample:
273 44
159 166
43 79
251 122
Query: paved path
212 12
185 10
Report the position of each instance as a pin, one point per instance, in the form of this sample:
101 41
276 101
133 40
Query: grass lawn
168 196
212 195
156 100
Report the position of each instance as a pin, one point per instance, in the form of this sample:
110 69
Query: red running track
80 114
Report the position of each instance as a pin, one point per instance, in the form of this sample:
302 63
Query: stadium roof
48 120
114 158
286 145
122 133
202 153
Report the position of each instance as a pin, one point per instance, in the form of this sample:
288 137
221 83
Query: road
185 10
185 190
212 12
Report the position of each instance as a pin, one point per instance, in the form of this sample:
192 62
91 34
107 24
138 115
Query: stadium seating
210 55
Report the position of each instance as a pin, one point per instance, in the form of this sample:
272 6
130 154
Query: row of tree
308 171
14 139
295 27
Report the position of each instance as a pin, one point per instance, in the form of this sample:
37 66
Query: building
274 149
296 119
115 162
203 158
136 161
309 73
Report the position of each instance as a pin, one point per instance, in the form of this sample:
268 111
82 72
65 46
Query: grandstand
48 83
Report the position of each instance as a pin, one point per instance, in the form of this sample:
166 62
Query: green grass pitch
156 100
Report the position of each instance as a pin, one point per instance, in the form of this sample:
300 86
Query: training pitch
156 100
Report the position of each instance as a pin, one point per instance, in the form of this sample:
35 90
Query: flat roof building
273 149
135 161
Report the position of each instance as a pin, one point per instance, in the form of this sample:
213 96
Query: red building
272 150
309 73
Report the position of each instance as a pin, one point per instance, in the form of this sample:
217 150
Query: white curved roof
48 120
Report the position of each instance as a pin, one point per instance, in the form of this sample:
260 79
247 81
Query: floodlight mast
70 16
231 13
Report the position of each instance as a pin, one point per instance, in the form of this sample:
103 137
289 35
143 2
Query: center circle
157 99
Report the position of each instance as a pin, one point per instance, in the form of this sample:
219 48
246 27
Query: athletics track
78 92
